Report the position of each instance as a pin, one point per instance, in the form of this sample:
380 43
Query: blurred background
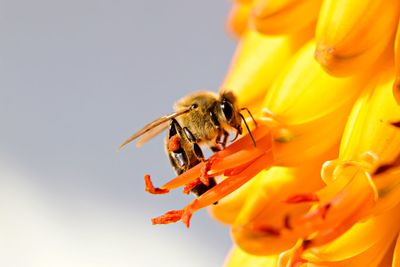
77 78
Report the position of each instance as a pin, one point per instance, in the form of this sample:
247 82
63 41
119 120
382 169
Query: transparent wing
152 129
152 133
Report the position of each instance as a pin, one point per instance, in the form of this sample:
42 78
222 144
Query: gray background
76 78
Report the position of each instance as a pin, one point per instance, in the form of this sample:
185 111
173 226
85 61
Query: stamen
230 184
185 178
149 187
188 212
169 217
230 157
204 177
241 156
234 160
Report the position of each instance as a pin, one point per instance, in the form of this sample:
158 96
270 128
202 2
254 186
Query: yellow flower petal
266 210
312 105
396 85
358 239
239 258
342 203
238 18
304 92
370 127
388 186
243 2
396 254
229 207
351 35
257 62
284 16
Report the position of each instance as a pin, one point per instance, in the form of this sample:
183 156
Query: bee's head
230 111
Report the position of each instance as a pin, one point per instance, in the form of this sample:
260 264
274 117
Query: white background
76 78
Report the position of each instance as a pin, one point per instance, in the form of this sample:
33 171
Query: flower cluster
322 186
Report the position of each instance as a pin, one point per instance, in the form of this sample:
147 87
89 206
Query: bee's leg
189 135
221 141
196 148
224 139
176 154
204 183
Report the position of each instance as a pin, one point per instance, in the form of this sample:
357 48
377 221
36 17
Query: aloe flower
322 186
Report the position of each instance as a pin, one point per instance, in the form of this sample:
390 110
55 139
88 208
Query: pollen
174 143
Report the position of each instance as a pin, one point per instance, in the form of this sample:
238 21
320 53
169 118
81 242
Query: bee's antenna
248 111
248 129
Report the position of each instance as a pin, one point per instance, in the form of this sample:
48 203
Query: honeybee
201 118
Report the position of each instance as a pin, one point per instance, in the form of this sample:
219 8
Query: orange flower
315 98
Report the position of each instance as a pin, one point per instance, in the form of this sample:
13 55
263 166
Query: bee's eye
227 109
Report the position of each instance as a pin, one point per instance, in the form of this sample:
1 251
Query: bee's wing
152 133
152 129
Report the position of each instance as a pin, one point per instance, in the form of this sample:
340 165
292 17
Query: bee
201 118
